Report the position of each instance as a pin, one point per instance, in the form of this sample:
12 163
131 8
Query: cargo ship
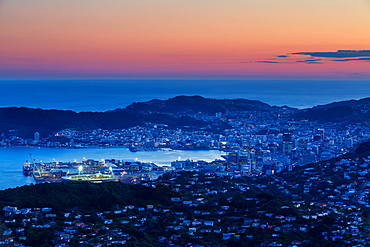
27 168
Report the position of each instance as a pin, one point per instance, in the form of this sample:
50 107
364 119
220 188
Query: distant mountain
24 122
196 104
347 103
351 111
177 112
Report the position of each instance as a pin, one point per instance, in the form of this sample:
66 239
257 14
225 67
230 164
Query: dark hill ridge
348 103
196 104
26 121
351 111
176 112
172 112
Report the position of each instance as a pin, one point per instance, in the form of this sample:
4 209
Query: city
280 182
185 123
259 142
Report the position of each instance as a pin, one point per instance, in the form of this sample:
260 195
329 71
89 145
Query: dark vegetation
351 111
363 148
84 196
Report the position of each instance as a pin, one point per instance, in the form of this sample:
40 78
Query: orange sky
143 38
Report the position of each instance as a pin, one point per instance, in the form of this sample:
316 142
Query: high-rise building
321 133
287 137
36 137
287 147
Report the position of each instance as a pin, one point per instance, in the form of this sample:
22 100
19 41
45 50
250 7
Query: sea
105 95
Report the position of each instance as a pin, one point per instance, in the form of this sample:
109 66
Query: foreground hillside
84 196
319 204
132 215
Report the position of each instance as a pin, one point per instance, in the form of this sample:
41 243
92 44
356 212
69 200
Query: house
192 229
7 232
187 202
46 210
208 223
108 221
10 209
227 236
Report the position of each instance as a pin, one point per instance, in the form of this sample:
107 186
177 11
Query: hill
197 104
191 112
175 112
85 196
351 111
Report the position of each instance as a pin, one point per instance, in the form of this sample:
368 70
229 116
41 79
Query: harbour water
12 159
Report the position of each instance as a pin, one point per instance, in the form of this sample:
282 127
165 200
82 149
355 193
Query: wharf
55 171
92 170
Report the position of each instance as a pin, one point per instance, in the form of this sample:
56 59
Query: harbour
12 159
94 171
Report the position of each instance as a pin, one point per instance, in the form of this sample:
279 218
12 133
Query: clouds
337 54
310 61
320 57
353 59
267 62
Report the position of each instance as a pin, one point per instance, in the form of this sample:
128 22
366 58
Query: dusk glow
182 39
185 123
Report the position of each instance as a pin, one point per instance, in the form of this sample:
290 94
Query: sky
248 39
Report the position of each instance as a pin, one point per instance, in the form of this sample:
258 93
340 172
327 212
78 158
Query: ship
27 168
92 178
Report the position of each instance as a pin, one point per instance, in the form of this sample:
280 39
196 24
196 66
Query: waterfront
12 159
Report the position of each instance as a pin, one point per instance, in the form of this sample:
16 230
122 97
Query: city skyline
262 39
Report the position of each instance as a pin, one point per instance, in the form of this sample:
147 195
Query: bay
12 159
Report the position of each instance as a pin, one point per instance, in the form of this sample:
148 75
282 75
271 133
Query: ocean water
12 159
103 95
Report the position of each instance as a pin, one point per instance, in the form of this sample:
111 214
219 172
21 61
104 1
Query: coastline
12 159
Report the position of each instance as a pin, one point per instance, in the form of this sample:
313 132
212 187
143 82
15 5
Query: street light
80 168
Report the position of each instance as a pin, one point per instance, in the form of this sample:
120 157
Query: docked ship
27 168
54 172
